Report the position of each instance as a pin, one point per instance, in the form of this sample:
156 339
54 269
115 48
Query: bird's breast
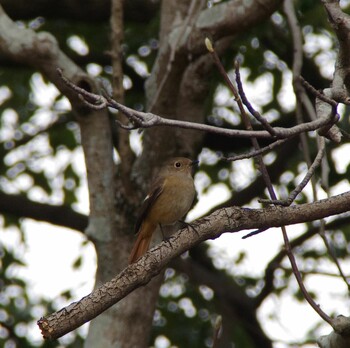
174 201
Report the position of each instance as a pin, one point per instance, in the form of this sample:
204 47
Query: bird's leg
188 225
161 230
165 238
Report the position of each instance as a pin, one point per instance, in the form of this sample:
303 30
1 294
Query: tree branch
41 51
229 18
21 206
141 119
277 259
231 219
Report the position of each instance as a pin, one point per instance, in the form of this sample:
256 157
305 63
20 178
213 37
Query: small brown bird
170 198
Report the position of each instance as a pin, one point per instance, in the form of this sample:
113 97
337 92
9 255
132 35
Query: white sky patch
78 45
320 45
216 194
44 93
49 254
285 96
94 69
9 124
136 141
139 66
5 93
243 172
342 154
162 342
260 92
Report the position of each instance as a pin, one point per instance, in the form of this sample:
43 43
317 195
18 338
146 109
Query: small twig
297 64
276 261
316 163
299 279
226 78
302 99
315 272
269 186
318 94
255 153
329 96
330 251
244 116
98 99
254 233
249 106
217 331
146 120
344 133
102 104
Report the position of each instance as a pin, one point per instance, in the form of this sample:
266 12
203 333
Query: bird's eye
177 164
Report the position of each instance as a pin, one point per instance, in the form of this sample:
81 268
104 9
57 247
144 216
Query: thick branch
231 219
41 51
229 18
21 206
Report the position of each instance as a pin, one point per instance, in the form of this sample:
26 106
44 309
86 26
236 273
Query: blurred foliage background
41 162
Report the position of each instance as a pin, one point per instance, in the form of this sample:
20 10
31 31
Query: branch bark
231 219
21 206
141 119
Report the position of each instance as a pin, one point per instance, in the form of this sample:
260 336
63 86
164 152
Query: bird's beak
195 163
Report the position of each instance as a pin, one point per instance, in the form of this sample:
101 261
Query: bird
170 197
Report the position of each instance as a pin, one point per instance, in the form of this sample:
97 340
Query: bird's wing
157 189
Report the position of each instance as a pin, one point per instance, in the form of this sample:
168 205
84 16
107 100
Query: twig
276 261
341 97
268 183
258 152
244 116
308 176
249 106
330 251
230 219
318 94
254 233
145 120
217 331
302 99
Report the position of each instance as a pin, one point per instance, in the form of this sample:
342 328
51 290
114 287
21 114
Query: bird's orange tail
142 242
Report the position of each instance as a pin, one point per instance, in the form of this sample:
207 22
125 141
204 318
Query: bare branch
277 259
217 331
20 206
229 18
332 254
317 93
267 180
249 106
258 152
304 182
231 219
146 120
302 99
